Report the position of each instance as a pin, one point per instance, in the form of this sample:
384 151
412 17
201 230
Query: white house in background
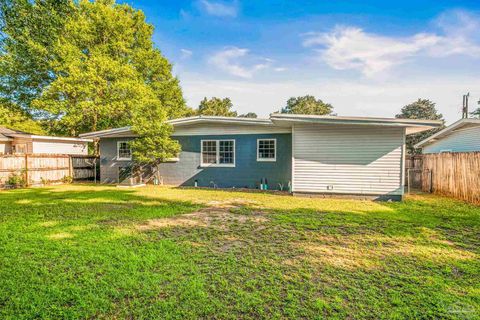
461 136
19 142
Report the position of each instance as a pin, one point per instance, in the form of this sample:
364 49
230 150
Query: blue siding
247 171
109 165
465 140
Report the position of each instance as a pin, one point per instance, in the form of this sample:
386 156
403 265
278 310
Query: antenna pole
465 106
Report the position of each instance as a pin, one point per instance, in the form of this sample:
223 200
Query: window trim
217 164
15 148
118 151
274 159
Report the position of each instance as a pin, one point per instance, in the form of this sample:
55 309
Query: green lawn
84 251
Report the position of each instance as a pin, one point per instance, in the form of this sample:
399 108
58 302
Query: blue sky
367 58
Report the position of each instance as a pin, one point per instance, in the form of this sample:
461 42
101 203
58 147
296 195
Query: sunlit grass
83 251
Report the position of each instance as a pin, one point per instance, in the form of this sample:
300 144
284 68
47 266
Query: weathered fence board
40 168
84 167
453 174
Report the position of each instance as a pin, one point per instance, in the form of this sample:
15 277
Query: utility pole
465 106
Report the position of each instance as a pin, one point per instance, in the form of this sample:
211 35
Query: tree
83 65
153 143
28 32
420 109
105 65
12 117
307 105
216 107
475 113
249 115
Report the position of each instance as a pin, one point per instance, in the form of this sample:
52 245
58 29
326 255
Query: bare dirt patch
216 217
370 251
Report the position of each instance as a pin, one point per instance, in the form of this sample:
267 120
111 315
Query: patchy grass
102 252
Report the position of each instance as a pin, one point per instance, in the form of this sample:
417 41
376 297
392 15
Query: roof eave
456 125
104 133
181 122
412 126
216 119
72 139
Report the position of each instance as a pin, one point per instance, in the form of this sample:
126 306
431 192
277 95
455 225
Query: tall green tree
216 107
153 143
106 63
420 109
307 105
29 31
13 117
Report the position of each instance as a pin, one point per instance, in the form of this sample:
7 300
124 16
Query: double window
123 150
220 153
266 149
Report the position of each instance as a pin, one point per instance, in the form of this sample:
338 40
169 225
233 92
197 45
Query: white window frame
274 159
217 164
118 153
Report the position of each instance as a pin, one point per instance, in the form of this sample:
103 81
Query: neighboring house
461 136
19 142
315 154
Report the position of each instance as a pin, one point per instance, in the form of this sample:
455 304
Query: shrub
67 179
16 180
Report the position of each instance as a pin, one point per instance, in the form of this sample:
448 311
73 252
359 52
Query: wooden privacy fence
40 168
453 174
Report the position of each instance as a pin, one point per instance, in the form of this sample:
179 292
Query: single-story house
330 155
19 142
461 136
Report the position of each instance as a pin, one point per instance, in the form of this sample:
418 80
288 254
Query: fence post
70 166
26 170
408 181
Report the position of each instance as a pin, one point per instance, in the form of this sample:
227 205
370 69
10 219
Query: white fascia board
35 137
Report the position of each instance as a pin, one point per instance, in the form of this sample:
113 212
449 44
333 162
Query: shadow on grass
448 219
304 258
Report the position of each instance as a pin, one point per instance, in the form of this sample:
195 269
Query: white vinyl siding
346 159
59 147
202 129
463 140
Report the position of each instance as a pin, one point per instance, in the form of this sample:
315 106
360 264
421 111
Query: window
220 153
19 148
123 150
266 149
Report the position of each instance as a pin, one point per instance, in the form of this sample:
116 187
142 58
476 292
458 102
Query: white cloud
461 36
186 53
347 47
236 61
349 97
219 9
280 69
